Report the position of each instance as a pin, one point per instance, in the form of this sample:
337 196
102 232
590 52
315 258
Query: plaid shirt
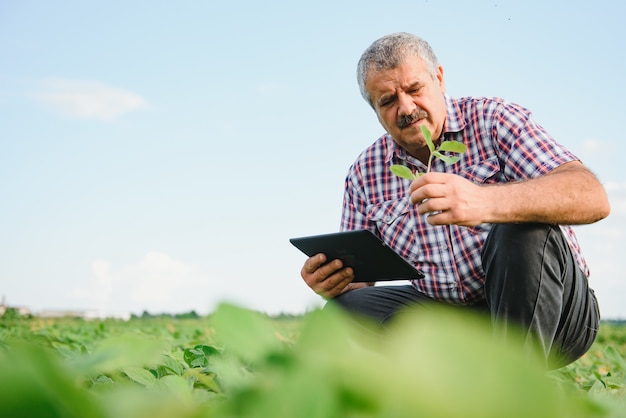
503 144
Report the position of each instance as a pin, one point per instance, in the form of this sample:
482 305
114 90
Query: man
490 231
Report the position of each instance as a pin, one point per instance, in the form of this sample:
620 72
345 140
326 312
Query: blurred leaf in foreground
33 383
432 363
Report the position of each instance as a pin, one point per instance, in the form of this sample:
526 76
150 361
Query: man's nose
406 106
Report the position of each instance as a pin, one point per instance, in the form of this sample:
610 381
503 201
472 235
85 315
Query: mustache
406 120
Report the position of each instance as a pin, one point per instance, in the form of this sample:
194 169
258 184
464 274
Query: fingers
335 284
434 204
313 263
446 199
428 178
432 185
327 280
437 191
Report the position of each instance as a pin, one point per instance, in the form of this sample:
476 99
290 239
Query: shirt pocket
485 172
395 223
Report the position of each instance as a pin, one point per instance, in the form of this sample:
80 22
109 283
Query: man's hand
568 195
448 199
328 280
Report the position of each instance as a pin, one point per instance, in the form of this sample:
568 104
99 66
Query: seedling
449 146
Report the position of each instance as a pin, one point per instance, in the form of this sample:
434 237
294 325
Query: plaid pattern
503 144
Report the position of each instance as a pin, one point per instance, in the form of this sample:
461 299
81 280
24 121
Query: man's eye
385 102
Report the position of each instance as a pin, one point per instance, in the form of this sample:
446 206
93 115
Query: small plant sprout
449 146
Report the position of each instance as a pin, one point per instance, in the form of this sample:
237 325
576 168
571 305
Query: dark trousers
532 284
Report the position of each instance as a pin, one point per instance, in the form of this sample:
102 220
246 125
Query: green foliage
240 363
435 152
10 314
340 368
601 373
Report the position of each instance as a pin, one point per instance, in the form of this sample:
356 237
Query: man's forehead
408 73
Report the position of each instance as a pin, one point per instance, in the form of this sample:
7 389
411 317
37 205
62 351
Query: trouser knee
512 243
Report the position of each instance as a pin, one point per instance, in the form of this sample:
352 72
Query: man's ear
442 83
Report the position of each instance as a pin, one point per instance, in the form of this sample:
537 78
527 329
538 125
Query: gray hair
391 51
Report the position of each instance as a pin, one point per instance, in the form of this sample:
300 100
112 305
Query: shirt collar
454 123
454 117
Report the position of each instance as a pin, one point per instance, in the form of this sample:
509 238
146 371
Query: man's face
406 97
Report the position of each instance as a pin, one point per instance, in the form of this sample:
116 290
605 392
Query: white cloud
157 283
88 99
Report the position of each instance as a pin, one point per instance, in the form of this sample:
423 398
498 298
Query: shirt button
444 247
387 219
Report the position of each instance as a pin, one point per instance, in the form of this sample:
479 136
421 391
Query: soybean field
241 363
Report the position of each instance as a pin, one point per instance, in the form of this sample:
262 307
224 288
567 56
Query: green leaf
402 171
199 355
452 146
445 158
118 352
173 365
428 138
140 375
179 386
614 355
203 379
195 358
207 350
245 332
34 382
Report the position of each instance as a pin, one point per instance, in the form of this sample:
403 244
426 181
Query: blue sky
159 155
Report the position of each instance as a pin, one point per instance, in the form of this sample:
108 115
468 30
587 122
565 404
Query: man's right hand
328 280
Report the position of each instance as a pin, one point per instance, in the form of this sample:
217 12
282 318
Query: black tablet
371 259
